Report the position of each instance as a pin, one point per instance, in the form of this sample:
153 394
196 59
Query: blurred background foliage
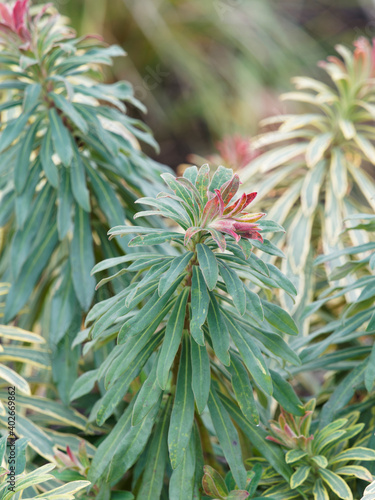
206 69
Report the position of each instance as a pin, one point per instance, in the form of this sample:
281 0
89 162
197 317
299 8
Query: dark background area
213 68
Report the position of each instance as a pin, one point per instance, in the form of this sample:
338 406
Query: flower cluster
13 21
292 432
218 214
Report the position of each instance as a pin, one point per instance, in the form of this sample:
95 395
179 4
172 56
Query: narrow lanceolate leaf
218 331
358 453
14 379
64 207
78 177
285 395
21 168
294 455
199 305
228 438
271 451
181 485
336 484
148 313
201 378
311 187
213 483
82 259
172 338
182 416
299 476
235 287
243 390
31 270
208 265
339 173
279 318
251 355
254 305
61 138
178 266
370 370
147 396
203 181
355 470
84 384
317 147
69 110
152 480
46 153
132 445
319 491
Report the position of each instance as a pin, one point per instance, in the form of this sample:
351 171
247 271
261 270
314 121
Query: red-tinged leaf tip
274 440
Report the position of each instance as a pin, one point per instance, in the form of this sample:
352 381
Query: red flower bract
15 20
220 217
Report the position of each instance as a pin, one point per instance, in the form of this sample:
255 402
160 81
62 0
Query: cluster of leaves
39 483
319 459
70 168
318 176
199 332
70 162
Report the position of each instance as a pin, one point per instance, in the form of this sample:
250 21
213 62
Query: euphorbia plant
315 164
322 459
70 169
194 324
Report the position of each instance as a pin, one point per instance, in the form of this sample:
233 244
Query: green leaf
152 480
64 207
357 453
191 174
84 384
132 445
182 416
251 355
63 307
228 438
14 379
319 491
279 318
13 130
21 169
285 395
208 265
181 485
342 394
147 396
218 331
299 476
203 181
336 484
317 147
311 187
221 175
82 259
177 267
148 313
213 484
31 96
268 247
370 370
61 138
172 338
46 153
29 274
235 287
355 470
243 390
254 305
69 110
320 461
294 455
78 178
201 378
199 305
